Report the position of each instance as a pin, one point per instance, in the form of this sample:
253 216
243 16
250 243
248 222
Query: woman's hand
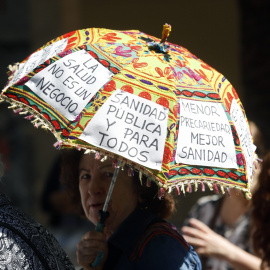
205 241
208 243
88 248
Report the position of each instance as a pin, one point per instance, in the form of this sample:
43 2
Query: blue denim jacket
162 252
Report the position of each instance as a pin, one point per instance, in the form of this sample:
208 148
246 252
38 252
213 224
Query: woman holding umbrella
136 236
128 103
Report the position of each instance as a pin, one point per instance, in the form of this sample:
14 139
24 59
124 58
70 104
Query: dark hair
261 213
163 206
149 198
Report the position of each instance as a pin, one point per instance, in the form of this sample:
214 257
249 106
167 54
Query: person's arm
208 243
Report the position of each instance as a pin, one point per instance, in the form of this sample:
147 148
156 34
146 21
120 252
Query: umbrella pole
116 171
104 214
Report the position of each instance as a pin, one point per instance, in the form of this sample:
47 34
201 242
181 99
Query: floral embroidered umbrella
146 102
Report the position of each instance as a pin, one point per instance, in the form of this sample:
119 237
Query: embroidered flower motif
178 74
191 74
166 73
240 160
125 53
98 102
111 37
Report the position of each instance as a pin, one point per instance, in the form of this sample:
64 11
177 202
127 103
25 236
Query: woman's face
94 181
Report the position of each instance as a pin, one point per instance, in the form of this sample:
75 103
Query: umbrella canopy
149 103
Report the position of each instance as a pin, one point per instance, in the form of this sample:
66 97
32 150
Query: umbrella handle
103 214
101 223
99 228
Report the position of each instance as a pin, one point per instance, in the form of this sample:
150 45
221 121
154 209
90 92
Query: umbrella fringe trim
184 186
30 114
12 71
132 166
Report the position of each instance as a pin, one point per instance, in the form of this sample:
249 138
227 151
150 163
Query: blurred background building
230 35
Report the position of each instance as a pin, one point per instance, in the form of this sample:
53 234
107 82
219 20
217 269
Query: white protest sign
243 132
38 58
69 83
205 136
130 126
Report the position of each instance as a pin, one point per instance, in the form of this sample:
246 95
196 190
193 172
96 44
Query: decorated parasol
141 101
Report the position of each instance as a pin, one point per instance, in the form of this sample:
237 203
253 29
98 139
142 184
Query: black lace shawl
26 244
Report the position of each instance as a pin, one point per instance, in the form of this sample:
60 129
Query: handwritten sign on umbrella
69 83
39 57
130 126
205 137
244 135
